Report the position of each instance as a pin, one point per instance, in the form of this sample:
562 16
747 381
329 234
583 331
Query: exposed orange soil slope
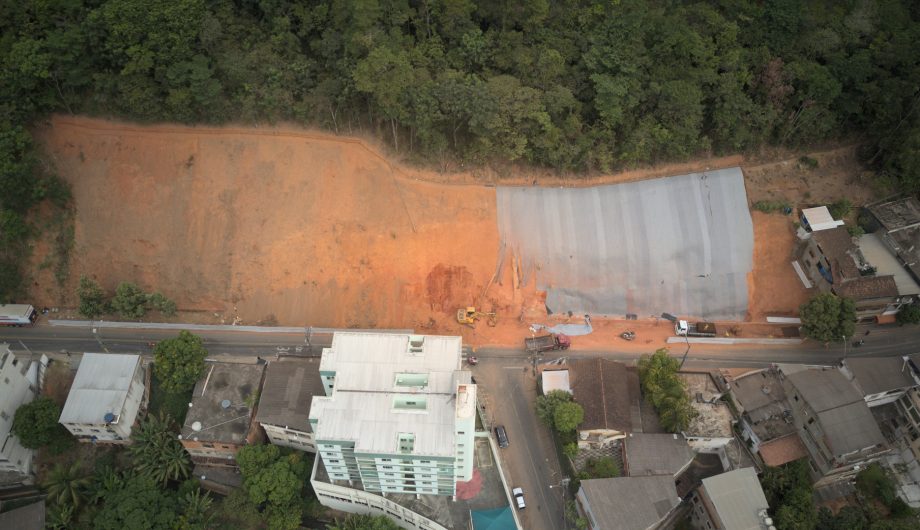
309 228
304 228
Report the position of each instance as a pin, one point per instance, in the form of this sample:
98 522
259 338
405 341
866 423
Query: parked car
502 436
519 498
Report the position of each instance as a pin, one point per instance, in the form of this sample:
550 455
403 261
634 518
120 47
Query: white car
519 498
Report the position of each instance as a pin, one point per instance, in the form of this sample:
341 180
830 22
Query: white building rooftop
99 388
391 385
820 218
556 380
372 361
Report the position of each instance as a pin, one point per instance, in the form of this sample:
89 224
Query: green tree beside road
557 410
178 363
666 391
828 318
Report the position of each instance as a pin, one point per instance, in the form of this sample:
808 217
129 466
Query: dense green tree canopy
36 425
666 391
179 362
828 317
274 481
571 84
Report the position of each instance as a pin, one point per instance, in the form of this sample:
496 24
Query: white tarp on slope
681 245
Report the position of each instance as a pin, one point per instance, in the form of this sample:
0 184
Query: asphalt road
504 374
53 340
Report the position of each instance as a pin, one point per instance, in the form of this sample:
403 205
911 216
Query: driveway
508 389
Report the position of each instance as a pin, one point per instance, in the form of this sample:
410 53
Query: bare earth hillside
300 228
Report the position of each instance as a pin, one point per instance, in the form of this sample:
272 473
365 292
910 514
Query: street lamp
563 485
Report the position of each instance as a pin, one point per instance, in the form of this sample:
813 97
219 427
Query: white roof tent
819 218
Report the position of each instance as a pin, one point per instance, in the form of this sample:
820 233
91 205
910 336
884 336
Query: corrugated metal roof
820 218
289 387
100 386
656 454
738 498
630 503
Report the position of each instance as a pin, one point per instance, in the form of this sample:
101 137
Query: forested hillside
567 84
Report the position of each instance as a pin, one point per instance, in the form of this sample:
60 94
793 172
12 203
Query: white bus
17 315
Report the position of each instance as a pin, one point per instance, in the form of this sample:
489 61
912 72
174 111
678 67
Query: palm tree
158 453
196 510
66 484
60 517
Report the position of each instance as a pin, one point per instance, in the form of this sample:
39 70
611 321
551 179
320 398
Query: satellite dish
196 426
225 404
109 417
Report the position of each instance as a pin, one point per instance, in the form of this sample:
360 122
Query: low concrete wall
214 327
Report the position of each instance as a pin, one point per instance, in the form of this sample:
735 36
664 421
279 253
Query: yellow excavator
468 316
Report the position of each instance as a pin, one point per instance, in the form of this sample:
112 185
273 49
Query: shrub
130 300
92 299
909 314
162 304
771 206
840 209
808 162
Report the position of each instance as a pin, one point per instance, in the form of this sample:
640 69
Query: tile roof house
863 269
609 393
833 422
284 405
627 503
105 397
731 501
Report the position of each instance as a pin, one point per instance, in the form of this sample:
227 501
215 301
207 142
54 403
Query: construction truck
694 329
468 316
17 315
547 343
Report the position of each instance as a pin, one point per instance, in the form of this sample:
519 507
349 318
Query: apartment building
18 386
398 414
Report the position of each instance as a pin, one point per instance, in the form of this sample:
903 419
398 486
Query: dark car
502 436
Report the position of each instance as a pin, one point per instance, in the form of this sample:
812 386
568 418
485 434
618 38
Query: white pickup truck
519 498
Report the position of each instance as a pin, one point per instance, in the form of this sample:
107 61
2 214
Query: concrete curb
214 327
718 340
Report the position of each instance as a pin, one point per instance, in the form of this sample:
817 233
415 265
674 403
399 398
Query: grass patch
807 162
771 206
174 404
63 245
